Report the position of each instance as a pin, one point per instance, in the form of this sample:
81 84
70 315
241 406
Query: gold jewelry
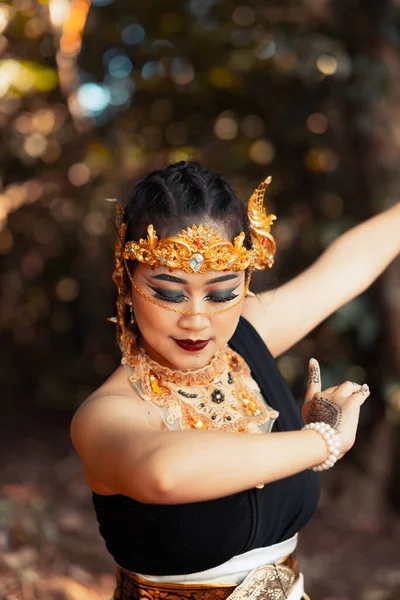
199 249
195 250
264 246
132 315
221 395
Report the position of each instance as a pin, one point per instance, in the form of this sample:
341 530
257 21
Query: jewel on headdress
195 261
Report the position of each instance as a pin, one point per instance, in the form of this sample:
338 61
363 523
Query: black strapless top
185 538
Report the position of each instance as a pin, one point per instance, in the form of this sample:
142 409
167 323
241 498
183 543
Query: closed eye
178 297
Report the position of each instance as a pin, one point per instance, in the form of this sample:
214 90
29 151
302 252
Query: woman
186 506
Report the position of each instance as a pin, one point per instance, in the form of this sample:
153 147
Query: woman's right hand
338 406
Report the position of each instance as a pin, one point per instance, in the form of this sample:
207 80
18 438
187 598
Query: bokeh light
327 64
95 223
59 12
262 152
133 34
266 49
152 69
182 71
317 123
244 16
78 174
35 145
6 12
226 127
93 98
67 289
120 66
321 160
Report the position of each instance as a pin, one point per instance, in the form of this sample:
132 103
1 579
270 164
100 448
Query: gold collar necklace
221 395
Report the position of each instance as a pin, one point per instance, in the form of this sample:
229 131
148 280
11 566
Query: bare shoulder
114 400
112 412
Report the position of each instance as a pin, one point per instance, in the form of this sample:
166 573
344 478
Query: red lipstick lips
192 345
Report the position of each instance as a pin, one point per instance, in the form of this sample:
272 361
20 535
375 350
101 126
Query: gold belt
269 582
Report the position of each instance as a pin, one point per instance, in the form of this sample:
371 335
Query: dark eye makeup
177 296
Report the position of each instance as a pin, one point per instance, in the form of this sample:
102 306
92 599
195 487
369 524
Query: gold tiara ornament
199 249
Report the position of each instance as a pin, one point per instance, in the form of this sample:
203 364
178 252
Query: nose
194 322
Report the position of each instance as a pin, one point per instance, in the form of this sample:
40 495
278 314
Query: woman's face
166 335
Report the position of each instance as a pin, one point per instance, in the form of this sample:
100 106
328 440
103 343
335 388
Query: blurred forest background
94 95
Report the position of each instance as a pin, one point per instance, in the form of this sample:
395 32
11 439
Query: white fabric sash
237 568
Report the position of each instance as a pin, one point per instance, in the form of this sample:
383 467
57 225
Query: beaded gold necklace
221 395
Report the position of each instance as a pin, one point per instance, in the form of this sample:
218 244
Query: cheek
151 318
225 326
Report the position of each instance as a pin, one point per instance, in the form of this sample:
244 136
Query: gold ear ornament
264 245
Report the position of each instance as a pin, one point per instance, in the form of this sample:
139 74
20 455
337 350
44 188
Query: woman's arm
201 465
113 437
174 467
345 269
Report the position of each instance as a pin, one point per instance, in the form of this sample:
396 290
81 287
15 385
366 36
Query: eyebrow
173 279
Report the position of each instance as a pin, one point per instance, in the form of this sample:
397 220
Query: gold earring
132 315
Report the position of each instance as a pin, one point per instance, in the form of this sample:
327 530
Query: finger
362 394
330 390
347 388
314 380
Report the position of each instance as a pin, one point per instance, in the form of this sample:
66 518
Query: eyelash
179 299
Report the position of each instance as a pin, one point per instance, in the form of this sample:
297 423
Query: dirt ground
50 548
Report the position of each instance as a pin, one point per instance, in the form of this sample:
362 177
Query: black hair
180 195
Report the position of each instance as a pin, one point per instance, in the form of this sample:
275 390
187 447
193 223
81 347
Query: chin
191 360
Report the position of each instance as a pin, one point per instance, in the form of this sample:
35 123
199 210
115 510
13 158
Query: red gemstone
265 242
152 267
198 243
170 270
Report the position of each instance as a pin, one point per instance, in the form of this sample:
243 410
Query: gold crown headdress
198 249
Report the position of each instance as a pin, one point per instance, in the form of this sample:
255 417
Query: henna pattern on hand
362 391
313 375
326 411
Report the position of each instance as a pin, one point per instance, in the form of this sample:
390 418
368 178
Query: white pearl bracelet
332 443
